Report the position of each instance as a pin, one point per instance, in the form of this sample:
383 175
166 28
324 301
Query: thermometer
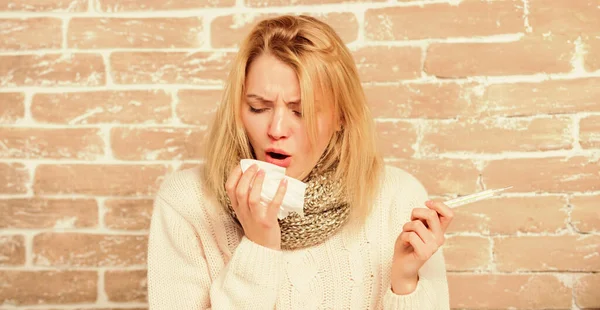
460 201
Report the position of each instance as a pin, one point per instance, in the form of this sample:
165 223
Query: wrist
405 286
270 244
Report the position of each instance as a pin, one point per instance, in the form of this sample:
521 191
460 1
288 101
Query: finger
405 237
231 185
431 218
421 250
445 212
273 209
242 189
425 234
254 197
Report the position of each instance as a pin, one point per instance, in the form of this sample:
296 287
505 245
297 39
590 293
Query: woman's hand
419 240
258 220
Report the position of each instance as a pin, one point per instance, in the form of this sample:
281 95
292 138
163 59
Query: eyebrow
263 100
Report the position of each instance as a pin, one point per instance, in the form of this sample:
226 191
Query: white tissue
293 200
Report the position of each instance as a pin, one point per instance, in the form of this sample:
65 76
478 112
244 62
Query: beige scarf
325 212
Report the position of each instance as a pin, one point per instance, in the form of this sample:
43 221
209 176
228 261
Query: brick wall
100 99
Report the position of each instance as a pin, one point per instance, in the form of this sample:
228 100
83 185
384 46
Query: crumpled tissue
293 200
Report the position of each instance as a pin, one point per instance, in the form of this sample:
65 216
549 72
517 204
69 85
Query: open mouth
278 156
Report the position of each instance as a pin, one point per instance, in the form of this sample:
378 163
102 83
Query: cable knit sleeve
179 276
431 292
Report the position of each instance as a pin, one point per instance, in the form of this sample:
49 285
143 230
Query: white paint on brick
100 202
65 27
91 230
591 255
174 103
575 132
526 16
492 266
420 129
28 249
81 118
65 223
105 134
517 155
243 20
27 118
102 298
578 61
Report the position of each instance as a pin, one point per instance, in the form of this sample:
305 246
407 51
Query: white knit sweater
198 259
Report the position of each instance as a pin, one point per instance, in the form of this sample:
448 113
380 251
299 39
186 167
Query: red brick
564 16
55 143
157 143
272 3
88 250
24 213
170 32
31 33
230 30
52 70
585 216
100 107
431 101
514 291
130 214
47 287
467 253
509 215
44 5
90 309
116 180
586 291
396 139
589 132
387 63
12 250
197 107
126 286
201 68
547 97
159 5
467 19
527 56
592 55
554 174
498 135
12 107
548 253
442 176
13 178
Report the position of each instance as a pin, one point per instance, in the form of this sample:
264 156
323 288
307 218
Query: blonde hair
322 62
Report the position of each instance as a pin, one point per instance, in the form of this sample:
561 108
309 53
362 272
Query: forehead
268 77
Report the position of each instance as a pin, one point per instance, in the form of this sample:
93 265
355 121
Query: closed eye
253 110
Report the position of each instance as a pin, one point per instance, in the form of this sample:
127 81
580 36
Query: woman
368 239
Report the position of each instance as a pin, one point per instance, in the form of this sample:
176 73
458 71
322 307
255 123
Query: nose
279 127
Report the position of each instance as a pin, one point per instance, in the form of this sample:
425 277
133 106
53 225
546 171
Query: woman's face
271 115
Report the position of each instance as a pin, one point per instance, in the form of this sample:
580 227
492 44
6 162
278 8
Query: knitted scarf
325 212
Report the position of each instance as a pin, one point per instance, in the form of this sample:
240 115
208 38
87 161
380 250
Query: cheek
250 125
326 129
324 132
256 127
